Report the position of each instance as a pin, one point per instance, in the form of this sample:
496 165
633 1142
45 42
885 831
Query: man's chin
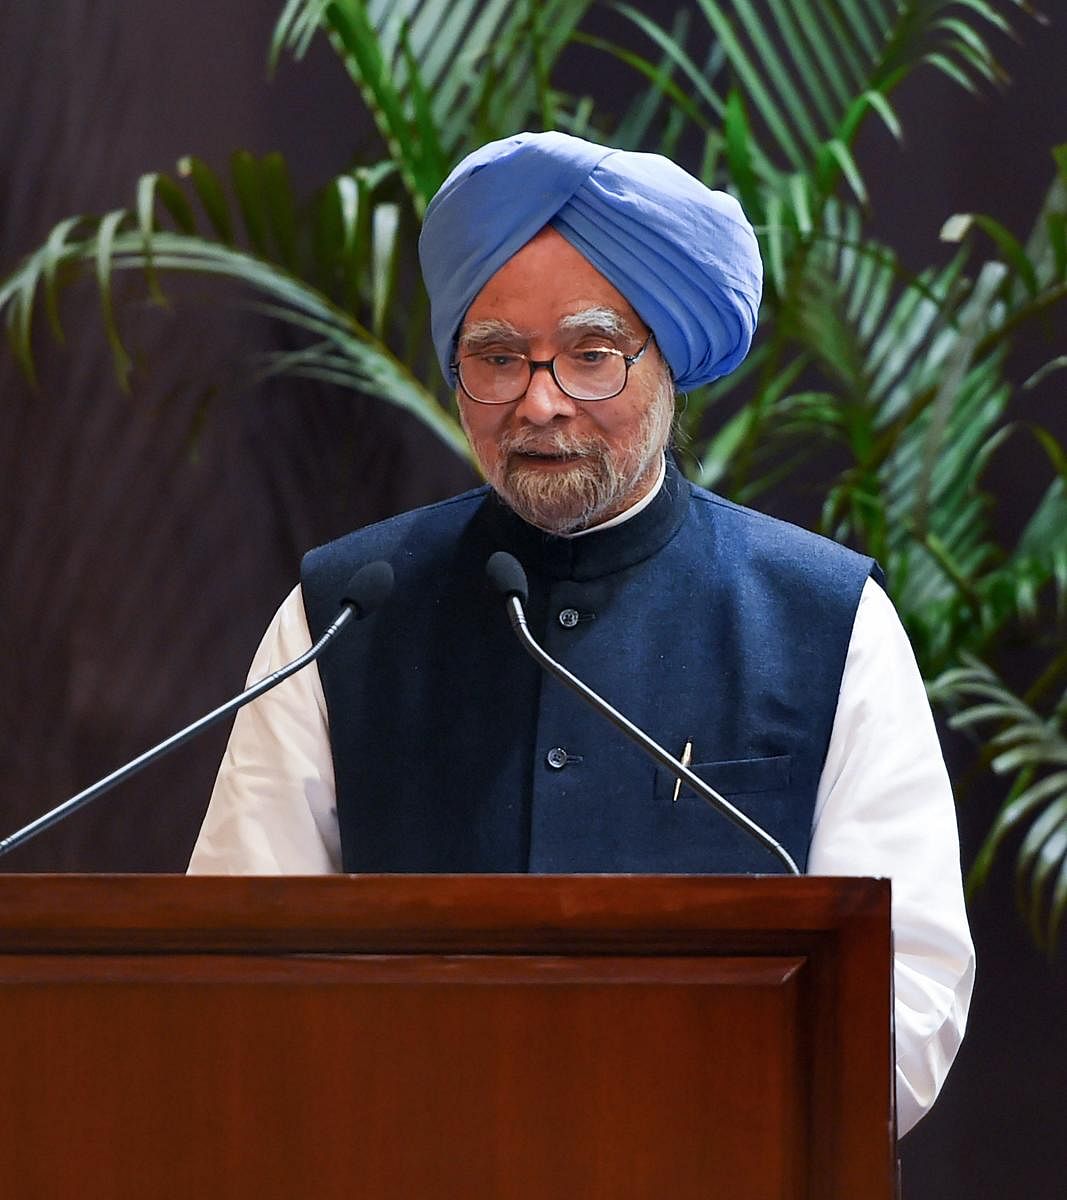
563 497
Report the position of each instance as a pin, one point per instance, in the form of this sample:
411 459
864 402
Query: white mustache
557 443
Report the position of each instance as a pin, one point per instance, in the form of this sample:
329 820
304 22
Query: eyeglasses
588 373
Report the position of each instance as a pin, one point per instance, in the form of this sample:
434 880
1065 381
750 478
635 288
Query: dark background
149 537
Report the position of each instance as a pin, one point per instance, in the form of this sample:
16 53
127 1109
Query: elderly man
574 288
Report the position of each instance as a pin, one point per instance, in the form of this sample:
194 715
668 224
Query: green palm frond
685 87
876 339
811 72
1038 559
791 84
906 375
437 79
1031 750
1037 278
349 245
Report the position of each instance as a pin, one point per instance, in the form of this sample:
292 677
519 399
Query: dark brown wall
147 541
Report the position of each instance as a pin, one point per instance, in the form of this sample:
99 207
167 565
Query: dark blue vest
699 620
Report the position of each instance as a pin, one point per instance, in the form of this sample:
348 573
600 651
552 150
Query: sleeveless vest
699 620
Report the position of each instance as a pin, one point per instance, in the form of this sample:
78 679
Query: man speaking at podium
574 290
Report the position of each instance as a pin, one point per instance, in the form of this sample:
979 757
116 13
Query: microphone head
506 575
368 588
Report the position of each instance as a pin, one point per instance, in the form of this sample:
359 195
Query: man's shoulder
428 525
774 540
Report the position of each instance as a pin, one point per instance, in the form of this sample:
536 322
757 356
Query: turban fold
684 256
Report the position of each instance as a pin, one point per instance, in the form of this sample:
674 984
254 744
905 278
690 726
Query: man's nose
544 400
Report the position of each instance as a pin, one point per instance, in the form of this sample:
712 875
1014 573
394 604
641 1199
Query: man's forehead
590 318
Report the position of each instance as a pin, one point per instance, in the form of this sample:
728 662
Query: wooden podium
503 1037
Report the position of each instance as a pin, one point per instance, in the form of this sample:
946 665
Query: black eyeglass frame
550 365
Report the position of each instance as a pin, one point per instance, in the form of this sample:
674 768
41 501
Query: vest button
568 617
556 757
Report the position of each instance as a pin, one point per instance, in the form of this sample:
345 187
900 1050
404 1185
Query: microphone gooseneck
364 592
507 576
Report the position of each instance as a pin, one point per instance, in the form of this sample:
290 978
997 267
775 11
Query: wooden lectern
433 1037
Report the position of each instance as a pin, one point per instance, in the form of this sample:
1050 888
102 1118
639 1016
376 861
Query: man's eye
592 356
499 361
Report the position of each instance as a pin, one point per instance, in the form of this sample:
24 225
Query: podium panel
476 1036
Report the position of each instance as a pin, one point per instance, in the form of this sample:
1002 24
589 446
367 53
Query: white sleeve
885 808
273 810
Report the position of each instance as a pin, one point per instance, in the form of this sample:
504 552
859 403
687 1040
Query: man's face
564 464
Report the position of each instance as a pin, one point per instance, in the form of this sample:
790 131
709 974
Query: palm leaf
804 68
631 129
1032 750
910 382
804 79
363 250
422 69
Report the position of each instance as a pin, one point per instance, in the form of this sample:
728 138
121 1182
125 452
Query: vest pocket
732 777
697 838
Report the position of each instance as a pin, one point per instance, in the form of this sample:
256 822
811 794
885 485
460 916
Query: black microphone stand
367 589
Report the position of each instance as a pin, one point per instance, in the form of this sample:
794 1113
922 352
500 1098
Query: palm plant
901 375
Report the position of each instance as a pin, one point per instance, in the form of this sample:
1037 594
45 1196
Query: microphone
507 576
366 591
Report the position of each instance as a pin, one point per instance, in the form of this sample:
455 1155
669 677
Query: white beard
601 482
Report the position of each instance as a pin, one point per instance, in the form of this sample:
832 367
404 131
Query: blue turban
684 256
